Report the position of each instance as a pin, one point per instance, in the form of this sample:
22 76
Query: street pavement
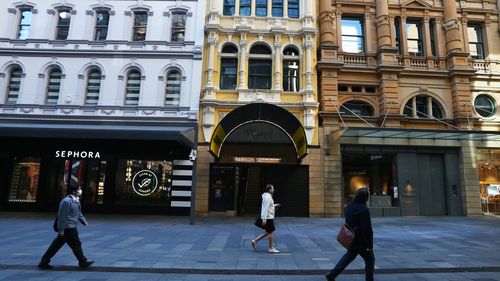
154 248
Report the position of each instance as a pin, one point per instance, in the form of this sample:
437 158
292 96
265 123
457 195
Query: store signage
267 160
78 154
144 183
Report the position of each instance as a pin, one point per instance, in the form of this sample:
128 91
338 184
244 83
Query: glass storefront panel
24 183
488 164
144 182
89 174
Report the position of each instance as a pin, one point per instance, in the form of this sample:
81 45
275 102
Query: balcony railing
421 63
354 59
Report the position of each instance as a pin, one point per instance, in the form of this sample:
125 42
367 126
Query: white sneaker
273 251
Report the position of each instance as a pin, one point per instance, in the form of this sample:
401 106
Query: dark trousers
368 256
71 238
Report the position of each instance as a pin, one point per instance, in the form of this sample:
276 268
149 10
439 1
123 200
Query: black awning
402 133
182 133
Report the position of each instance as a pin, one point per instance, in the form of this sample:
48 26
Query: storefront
488 165
117 173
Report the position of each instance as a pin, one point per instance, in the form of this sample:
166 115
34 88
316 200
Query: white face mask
79 192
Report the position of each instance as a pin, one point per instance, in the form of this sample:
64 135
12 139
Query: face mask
79 192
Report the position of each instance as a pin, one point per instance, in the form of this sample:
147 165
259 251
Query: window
485 106
245 7
133 88
54 86
432 36
291 70
178 26
14 85
397 31
101 25
475 35
260 68
140 26
63 21
228 9
173 88
93 87
352 35
414 38
277 10
356 108
25 176
229 67
261 8
423 106
293 9
25 23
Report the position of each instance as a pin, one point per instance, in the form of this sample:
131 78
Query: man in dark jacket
68 217
357 216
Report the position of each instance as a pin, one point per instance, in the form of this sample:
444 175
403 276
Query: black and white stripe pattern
182 176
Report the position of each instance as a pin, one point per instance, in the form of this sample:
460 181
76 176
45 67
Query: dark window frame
14 86
22 27
53 87
173 87
291 57
245 8
101 30
138 26
177 30
260 67
133 89
480 43
364 109
229 59
92 87
293 9
261 8
360 21
277 8
229 7
419 40
63 24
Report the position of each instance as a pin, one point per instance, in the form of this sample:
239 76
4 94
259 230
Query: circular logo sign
144 182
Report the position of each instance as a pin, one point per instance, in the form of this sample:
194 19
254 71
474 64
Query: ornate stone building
258 109
409 96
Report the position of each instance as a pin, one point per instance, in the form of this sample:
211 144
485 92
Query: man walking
266 220
69 215
357 216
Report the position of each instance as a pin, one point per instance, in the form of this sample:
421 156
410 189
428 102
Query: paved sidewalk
168 248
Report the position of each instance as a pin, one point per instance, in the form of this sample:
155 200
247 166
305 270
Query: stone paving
218 248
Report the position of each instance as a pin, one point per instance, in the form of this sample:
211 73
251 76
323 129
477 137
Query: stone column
440 40
427 37
338 16
383 24
252 9
236 8
429 106
414 107
368 30
452 28
326 24
243 83
308 58
269 8
465 35
277 62
285 9
211 58
403 42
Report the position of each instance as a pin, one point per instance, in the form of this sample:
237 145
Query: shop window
140 26
277 9
356 108
144 182
101 25
291 70
24 23
14 84
93 87
414 38
293 9
24 180
352 35
475 36
54 86
245 7
178 26
133 88
260 67
90 175
63 22
261 8
229 67
173 88
488 164
423 106
228 9
484 105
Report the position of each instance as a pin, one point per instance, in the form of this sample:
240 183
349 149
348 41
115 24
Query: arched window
93 87
423 106
260 67
14 84
356 108
63 22
291 70
54 86
133 88
24 23
173 88
229 67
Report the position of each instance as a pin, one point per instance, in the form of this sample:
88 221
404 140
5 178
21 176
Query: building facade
409 96
258 108
102 94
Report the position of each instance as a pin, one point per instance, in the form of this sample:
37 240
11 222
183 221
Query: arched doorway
254 145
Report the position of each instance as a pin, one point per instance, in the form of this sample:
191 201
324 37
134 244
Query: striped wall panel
182 179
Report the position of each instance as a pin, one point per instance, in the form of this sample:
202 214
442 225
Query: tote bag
345 236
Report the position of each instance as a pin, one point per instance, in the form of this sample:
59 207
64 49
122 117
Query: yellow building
409 98
259 108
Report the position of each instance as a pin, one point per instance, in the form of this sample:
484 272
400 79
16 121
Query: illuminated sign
144 182
257 160
77 154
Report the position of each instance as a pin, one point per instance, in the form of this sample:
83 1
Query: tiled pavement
215 249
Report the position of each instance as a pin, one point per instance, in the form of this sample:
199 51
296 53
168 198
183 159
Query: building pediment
415 4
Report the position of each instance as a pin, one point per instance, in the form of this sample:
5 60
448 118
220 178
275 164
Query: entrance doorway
237 188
